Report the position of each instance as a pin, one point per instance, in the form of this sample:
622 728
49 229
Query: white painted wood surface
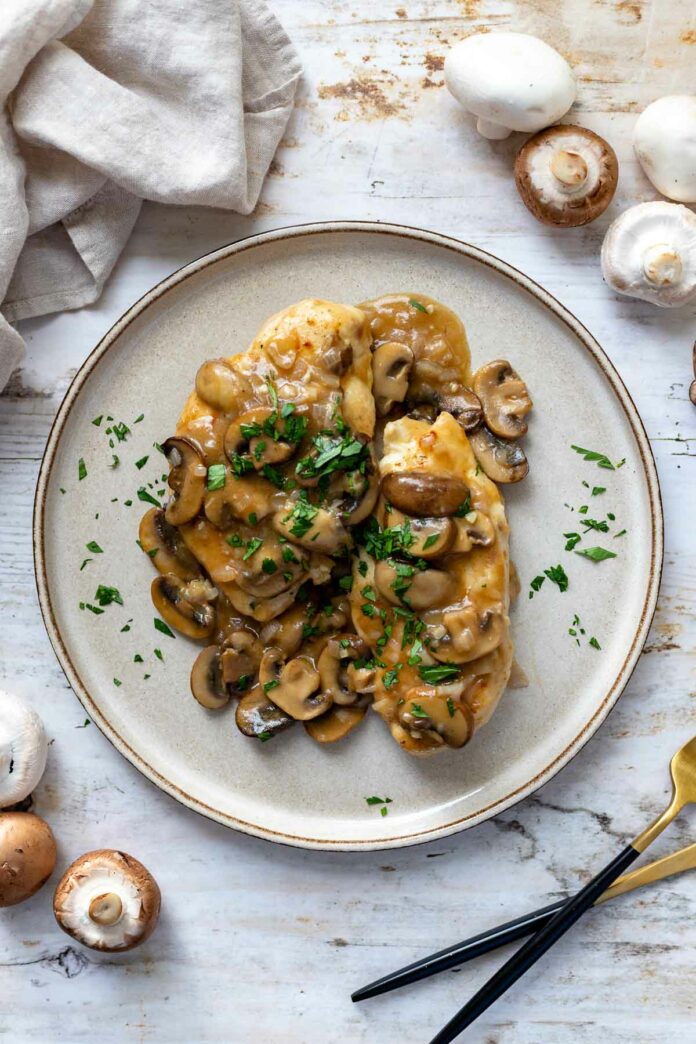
260 944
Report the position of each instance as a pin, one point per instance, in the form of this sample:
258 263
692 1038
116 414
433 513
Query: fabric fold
110 102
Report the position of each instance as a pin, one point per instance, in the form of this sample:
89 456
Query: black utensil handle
531 951
461 952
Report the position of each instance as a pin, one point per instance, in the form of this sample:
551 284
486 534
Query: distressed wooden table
260 943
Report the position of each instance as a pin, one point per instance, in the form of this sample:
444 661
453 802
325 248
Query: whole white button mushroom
664 140
510 82
650 252
23 749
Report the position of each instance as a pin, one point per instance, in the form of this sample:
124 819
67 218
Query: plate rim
599 357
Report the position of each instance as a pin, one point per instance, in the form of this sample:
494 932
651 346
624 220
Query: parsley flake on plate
597 554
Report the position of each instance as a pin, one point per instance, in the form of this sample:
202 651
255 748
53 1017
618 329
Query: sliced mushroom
467 634
401 583
219 385
259 717
335 724
463 405
504 398
362 491
501 460
339 654
240 658
315 528
475 529
187 478
207 682
260 609
248 433
286 631
427 712
185 606
424 494
391 367
431 537
165 546
239 499
294 685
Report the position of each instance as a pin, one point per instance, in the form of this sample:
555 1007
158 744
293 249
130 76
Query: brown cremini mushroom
468 634
566 175
335 724
504 398
317 529
463 405
219 385
259 717
430 537
207 682
338 656
293 686
165 546
425 712
27 856
249 434
502 460
403 584
185 606
187 478
108 901
424 494
391 368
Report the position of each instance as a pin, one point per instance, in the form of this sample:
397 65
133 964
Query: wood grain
260 943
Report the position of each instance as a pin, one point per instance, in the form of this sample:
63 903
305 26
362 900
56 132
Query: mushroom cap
566 176
102 875
664 139
510 81
649 252
27 856
23 749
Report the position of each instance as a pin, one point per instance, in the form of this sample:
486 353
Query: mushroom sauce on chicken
335 536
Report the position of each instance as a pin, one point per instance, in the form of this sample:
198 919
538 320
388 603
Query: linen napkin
109 102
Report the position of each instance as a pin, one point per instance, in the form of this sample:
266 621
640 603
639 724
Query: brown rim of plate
602 362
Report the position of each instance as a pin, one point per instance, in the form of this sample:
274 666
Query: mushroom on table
107 900
27 856
566 175
664 139
23 749
509 81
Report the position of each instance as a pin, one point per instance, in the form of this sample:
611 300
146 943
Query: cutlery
511 931
683 772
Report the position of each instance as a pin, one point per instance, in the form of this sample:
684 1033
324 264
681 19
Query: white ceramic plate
292 790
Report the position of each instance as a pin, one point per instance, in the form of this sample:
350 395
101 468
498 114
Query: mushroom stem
662 265
106 909
568 167
492 131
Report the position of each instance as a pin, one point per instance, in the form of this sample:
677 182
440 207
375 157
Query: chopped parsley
84 563
430 541
252 547
117 682
594 643
140 464
417 305
378 800
273 684
94 547
464 508
138 658
597 554
106 595
158 653
389 677
81 469
161 626
272 392
240 465
253 518
571 540
418 712
97 420
596 490
601 459
450 706
592 523
557 575
269 566
147 497
435 673
216 476
622 533
346 583
273 475
139 418
302 515
333 453
235 540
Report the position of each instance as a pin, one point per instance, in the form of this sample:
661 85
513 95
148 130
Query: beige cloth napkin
109 102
